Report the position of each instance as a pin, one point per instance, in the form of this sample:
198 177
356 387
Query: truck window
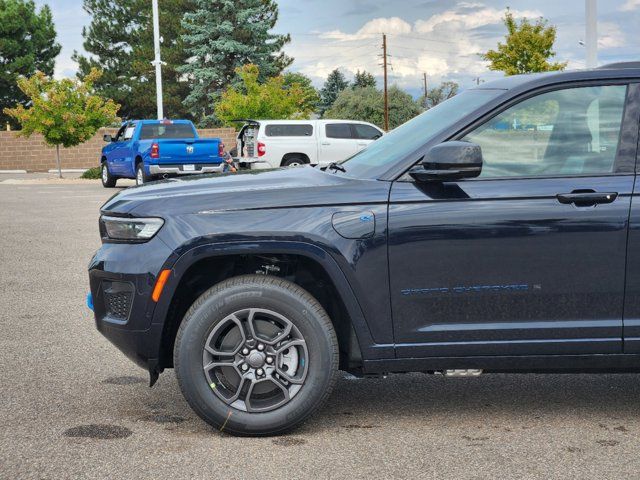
118 136
128 133
339 130
366 132
160 131
574 131
292 130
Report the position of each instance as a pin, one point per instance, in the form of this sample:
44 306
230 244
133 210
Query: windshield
409 137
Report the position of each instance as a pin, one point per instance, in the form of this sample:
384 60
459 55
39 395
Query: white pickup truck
285 143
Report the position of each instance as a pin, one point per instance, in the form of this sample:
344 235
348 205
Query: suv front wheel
256 355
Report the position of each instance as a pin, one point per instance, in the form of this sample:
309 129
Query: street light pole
591 33
156 61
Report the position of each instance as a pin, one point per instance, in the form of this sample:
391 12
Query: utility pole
386 95
156 61
424 77
591 33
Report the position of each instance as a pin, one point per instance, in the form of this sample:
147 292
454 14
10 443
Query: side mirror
449 161
107 138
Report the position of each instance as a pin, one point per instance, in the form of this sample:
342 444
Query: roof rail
610 66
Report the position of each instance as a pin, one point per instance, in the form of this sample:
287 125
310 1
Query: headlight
129 229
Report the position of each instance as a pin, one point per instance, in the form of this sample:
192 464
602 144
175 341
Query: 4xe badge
189 148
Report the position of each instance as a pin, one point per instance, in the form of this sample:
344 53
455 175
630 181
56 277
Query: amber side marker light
157 290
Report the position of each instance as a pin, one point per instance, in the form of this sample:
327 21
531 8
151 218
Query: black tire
294 161
208 315
108 180
141 175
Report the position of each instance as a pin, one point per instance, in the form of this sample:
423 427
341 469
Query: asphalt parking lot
64 388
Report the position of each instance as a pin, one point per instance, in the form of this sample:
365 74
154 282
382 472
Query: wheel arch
306 265
303 156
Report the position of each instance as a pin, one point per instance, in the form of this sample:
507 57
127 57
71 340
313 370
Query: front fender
369 348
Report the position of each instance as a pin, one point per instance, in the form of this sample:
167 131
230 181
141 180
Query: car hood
259 189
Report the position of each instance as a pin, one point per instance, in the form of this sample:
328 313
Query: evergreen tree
27 45
222 36
363 80
120 41
334 84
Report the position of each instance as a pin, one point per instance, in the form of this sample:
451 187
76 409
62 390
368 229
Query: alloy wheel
255 360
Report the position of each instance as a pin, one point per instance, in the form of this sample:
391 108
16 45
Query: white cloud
610 35
466 16
377 26
445 46
630 5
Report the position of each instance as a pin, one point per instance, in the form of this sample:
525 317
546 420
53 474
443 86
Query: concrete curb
12 171
68 170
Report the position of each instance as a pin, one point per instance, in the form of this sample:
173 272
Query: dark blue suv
498 231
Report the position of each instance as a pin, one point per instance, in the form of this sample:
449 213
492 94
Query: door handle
586 198
325 143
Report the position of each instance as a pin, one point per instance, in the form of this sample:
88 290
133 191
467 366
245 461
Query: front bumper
121 278
179 169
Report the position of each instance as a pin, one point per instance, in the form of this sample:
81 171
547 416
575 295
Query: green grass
92 174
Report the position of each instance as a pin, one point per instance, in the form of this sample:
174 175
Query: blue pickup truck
150 149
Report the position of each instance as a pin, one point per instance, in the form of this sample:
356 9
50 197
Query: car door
365 134
528 258
122 151
337 142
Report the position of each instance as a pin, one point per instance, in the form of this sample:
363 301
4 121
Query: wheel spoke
213 365
251 408
213 336
301 374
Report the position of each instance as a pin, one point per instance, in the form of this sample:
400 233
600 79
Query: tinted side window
366 132
166 131
566 132
288 130
339 130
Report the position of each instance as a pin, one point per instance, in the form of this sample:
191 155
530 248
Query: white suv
283 143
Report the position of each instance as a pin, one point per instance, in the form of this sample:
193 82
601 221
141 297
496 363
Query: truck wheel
256 355
141 176
293 162
108 180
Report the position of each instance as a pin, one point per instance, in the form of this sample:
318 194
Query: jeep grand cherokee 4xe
498 231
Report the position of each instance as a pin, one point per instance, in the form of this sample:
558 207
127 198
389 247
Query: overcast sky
441 38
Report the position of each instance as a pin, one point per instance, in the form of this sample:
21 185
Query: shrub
92 173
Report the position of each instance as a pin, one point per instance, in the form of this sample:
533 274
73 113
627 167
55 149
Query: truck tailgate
188 151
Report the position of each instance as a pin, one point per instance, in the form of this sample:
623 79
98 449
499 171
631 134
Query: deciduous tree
271 99
66 112
311 97
439 94
528 47
27 44
367 104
